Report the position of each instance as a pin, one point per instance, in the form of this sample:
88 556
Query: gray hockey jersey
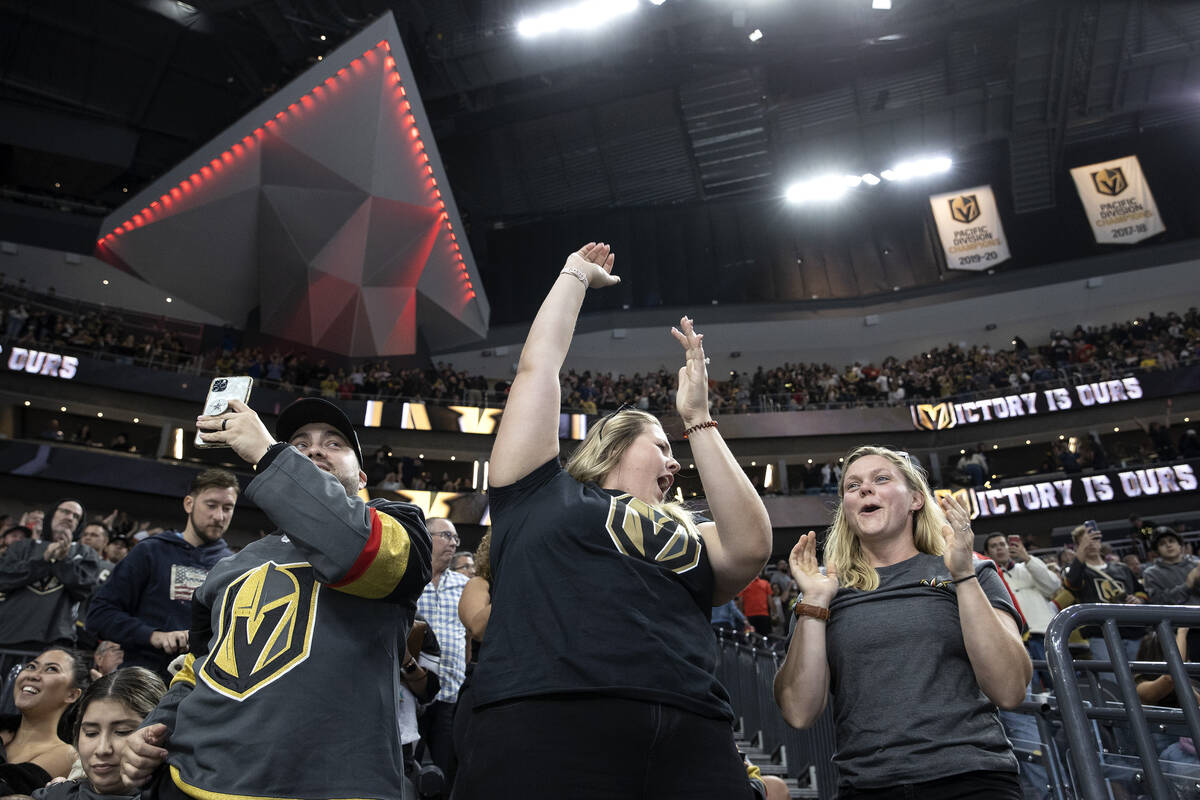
292 686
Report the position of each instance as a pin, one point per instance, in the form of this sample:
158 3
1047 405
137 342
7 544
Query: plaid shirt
439 606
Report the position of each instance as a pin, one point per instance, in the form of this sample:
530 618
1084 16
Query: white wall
841 337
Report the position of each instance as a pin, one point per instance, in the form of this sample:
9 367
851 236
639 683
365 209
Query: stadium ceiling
673 104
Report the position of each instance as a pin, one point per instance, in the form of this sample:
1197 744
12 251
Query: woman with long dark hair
110 710
33 745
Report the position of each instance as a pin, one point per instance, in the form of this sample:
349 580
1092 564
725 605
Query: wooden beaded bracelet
712 423
809 610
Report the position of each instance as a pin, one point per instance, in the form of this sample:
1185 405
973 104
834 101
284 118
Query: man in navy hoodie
146 604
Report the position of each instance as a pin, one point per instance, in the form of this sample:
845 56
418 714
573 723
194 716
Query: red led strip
241 148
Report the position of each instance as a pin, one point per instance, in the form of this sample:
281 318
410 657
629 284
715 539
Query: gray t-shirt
906 705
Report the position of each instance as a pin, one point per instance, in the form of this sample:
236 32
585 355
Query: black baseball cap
1162 532
316 409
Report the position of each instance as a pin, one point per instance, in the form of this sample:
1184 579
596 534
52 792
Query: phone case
220 392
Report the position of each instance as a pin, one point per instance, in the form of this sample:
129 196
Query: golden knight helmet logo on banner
965 208
933 416
1110 181
964 496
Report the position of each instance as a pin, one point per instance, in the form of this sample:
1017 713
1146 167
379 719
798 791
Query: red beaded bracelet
712 423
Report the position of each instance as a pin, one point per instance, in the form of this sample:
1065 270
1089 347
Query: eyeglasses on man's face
449 537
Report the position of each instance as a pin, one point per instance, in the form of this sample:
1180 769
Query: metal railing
1078 713
746 669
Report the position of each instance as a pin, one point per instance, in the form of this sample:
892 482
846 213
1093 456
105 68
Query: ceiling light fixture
584 16
832 187
755 35
918 168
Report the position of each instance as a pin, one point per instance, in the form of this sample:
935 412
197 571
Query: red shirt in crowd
754 598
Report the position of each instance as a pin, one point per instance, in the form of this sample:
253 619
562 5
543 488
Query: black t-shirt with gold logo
596 592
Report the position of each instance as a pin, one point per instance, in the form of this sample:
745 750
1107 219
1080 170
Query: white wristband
577 272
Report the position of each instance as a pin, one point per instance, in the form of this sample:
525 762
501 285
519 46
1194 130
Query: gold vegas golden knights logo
643 532
933 416
964 496
964 208
266 625
1110 181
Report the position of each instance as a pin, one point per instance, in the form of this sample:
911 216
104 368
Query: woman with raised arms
598 676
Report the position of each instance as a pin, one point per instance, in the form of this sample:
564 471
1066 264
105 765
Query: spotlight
755 35
870 180
918 168
583 16
821 188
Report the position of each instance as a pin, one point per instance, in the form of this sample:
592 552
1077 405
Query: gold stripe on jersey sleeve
387 568
204 794
187 672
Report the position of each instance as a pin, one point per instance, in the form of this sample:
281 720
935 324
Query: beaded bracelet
808 610
577 272
712 423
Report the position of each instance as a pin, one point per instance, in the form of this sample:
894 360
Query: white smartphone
220 392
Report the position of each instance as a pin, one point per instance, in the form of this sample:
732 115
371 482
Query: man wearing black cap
297 640
1173 578
42 582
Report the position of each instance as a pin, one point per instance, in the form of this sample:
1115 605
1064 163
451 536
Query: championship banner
969 226
1082 490
1118 202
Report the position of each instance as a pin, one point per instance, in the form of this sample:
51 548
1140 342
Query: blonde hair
603 448
843 549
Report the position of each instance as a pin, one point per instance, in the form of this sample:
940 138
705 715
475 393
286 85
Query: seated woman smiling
31 750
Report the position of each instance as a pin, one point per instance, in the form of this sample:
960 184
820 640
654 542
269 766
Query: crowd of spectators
1149 563
1155 342
41 323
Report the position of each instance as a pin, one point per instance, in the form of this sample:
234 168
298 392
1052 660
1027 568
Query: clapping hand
691 400
958 539
57 550
816 588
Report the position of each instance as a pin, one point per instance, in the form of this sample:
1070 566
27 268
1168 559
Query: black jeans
595 747
437 733
967 786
